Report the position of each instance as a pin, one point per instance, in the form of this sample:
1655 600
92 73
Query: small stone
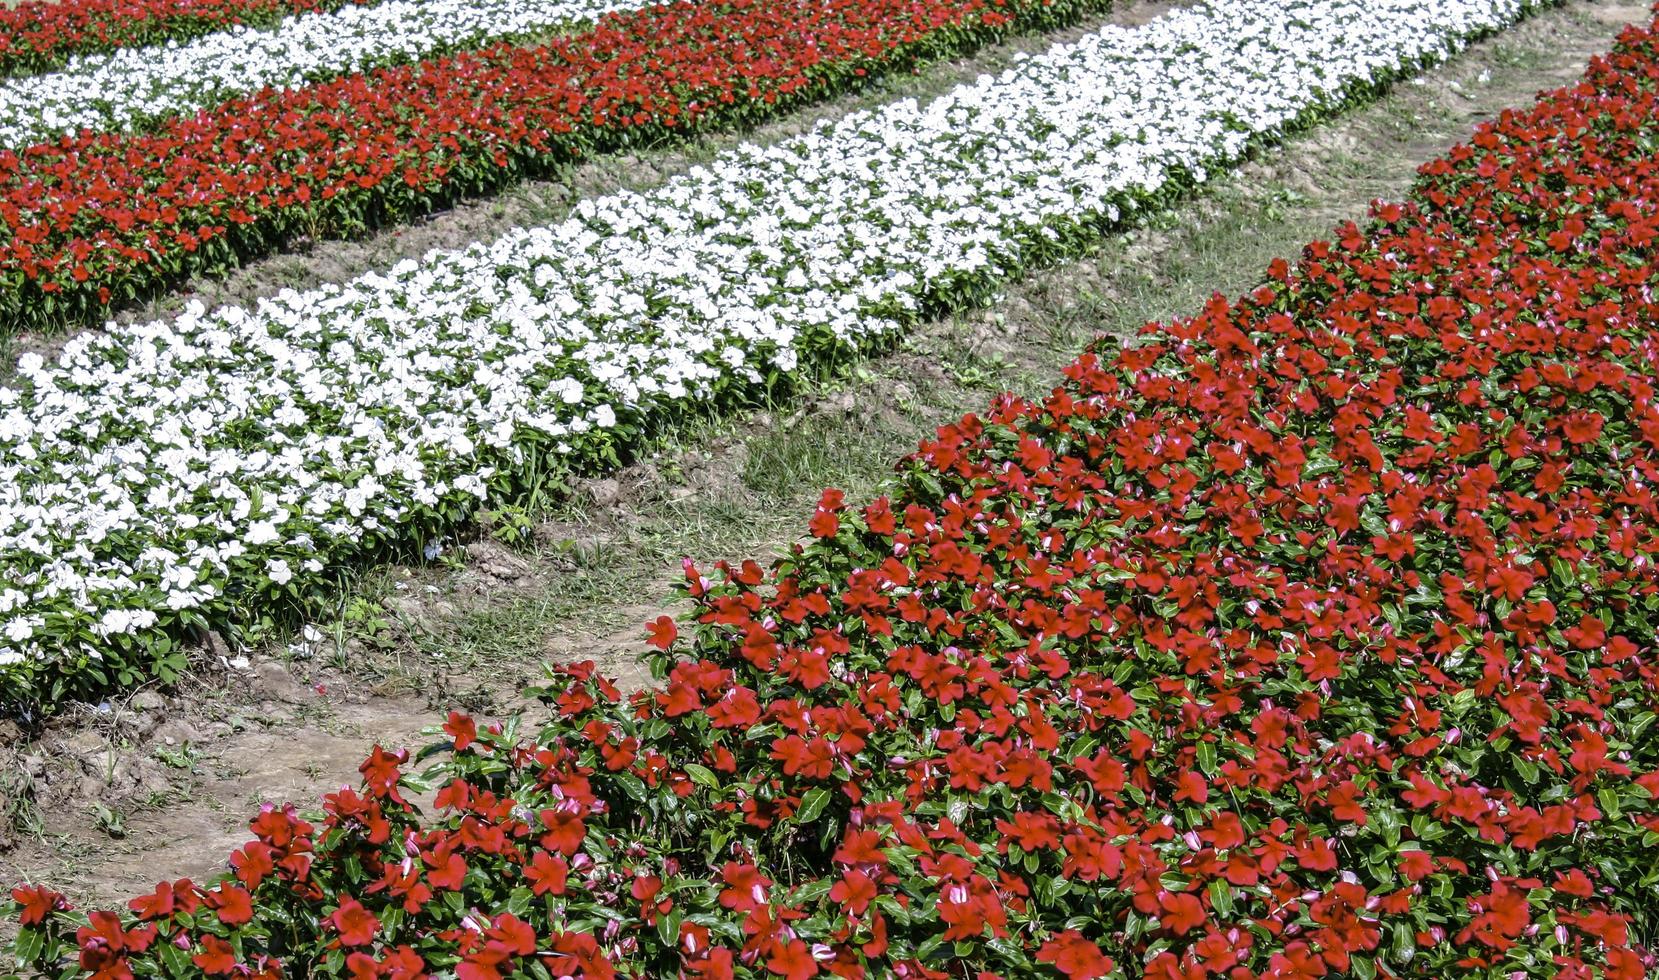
139 721
216 645
406 606
493 561
147 701
606 492
274 714
83 744
178 733
270 681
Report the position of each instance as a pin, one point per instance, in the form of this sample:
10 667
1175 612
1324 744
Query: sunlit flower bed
1312 636
102 218
134 87
39 35
105 216
193 473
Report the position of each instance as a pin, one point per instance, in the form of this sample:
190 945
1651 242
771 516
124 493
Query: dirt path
161 786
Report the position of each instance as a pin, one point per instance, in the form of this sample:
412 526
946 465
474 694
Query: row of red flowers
39 35
107 217
1312 636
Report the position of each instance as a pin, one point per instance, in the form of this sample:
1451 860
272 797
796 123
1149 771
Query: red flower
253 863
122 210
1075 956
447 870
356 925
105 946
1307 555
737 709
718 964
382 772
233 905
1191 786
547 873
1416 865
565 831
745 887
1226 831
512 934
792 961
217 957
824 525
855 891
179 896
461 729
861 848
663 632
38 903
1031 831
1182 912
1582 427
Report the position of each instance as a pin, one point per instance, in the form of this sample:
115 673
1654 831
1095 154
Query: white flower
277 571
261 532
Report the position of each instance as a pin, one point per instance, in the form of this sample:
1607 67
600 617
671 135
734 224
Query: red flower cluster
39 35
1312 637
103 217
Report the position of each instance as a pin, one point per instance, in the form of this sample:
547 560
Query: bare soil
160 784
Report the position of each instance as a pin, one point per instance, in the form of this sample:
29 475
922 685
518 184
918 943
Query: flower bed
197 473
104 217
1312 636
134 88
39 35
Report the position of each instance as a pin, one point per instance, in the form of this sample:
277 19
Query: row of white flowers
131 87
186 469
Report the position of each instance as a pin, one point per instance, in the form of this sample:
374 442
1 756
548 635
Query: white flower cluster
130 87
189 466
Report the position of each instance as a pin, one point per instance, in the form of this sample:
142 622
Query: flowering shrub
38 35
1312 636
134 87
102 216
197 472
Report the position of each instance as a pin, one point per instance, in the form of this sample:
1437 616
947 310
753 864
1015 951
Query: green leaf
176 960
812 805
28 946
633 787
702 775
1221 897
668 929
518 903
